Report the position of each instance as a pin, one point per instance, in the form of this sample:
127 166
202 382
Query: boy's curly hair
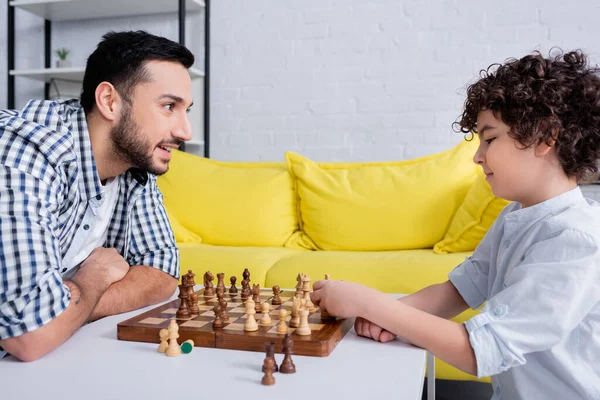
543 99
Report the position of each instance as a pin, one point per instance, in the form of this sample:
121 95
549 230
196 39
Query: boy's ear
552 125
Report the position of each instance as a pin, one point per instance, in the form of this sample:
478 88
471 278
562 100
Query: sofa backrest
369 206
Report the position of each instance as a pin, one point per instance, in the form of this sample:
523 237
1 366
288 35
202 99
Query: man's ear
108 101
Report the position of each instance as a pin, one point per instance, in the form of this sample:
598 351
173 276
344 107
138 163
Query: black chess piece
287 365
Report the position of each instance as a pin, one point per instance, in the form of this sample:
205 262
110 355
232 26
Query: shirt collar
89 184
573 197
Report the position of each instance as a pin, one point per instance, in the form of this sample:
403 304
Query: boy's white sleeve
545 297
470 278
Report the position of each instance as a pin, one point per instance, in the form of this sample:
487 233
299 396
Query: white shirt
93 229
538 268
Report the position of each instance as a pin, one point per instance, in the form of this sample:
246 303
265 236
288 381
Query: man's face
157 120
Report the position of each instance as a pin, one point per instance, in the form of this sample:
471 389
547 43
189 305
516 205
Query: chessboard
325 332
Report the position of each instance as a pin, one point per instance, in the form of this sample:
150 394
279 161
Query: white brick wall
341 79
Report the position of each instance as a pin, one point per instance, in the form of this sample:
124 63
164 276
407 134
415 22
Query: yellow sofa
395 226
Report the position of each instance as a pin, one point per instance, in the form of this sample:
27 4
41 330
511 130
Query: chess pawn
218 322
282 326
268 379
194 309
287 365
164 335
295 320
303 329
270 353
265 320
224 315
299 286
250 325
276 299
173 348
183 311
233 289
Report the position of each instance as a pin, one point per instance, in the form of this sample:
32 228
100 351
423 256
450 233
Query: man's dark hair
121 58
543 99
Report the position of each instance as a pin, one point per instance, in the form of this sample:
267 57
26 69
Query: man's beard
131 146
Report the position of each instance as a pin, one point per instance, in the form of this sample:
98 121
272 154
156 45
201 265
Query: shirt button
99 197
86 227
506 243
497 390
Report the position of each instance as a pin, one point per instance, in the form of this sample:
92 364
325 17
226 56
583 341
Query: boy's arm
442 300
447 340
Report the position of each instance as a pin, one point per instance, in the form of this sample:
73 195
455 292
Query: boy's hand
339 298
370 330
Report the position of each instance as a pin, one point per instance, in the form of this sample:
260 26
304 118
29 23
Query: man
83 229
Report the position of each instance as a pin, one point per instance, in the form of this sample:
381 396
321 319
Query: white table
93 364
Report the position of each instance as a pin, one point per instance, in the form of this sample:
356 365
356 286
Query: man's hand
370 330
103 265
339 298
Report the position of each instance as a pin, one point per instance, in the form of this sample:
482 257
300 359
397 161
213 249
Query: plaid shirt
47 177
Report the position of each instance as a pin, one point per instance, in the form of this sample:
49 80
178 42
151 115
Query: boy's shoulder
583 218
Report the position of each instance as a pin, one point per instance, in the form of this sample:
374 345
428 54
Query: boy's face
157 120
514 173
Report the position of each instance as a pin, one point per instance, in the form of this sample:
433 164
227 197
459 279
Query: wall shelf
67 10
70 74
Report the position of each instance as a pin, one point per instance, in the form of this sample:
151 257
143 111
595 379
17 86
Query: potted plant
62 54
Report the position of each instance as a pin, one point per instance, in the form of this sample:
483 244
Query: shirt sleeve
32 292
152 239
471 277
545 297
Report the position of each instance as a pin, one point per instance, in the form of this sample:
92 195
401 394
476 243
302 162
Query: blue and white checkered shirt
48 177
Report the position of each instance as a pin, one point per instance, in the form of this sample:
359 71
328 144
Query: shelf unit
67 10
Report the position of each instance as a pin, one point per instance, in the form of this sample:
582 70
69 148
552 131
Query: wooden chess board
326 333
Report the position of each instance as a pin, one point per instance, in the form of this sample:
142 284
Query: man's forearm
35 344
447 340
442 300
142 286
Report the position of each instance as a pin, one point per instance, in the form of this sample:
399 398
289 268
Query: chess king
85 233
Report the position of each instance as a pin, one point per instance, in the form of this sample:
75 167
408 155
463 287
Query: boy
538 267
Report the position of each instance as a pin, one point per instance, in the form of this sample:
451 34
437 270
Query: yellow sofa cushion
231 203
395 272
231 260
381 205
473 219
182 234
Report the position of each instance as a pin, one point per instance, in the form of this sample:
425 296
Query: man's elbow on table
26 348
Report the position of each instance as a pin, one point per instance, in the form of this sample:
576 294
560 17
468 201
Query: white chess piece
173 349
250 325
164 336
295 321
306 289
282 326
266 318
303 329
